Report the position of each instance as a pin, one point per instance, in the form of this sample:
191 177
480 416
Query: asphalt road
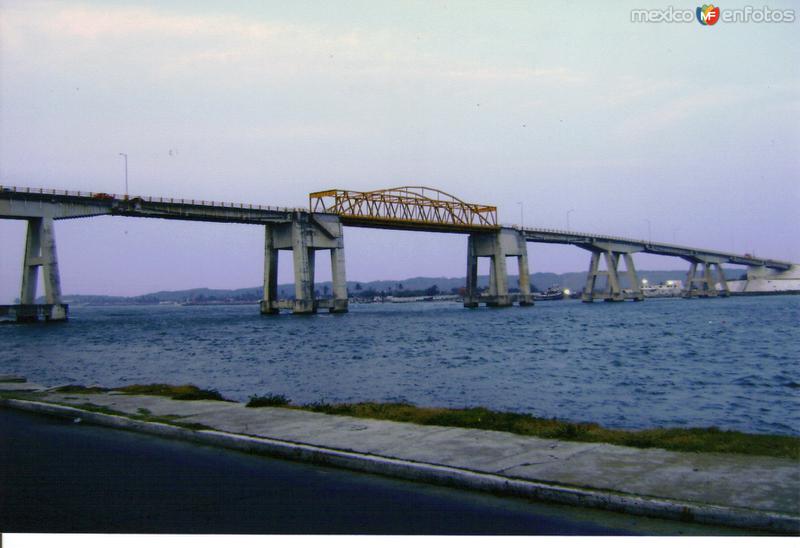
61 476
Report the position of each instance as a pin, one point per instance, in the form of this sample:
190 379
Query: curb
772 522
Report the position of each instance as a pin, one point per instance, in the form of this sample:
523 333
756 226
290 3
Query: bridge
405 208
320 227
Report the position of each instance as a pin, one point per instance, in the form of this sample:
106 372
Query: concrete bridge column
613 290
699 286
269 303
724 291
525 296
471 291
304 236
497 245
40 250
498 277
303 256
704 285
633 278
339 280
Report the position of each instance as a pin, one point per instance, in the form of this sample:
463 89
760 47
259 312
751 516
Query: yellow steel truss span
406 205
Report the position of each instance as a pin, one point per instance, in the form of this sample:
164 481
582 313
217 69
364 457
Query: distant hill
574 281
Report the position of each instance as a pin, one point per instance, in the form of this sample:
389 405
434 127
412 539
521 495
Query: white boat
668 288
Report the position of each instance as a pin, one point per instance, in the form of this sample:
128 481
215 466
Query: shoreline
748 492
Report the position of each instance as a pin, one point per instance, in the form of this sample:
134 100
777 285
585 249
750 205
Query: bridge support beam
339 279
304 236
613 291
702 284
269 301
40 251
525 295
303 258
497 246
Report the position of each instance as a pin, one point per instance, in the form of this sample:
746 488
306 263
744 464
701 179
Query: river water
732 363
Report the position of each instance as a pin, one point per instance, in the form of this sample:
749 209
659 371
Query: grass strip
181 392
80 389
695 440
144 415
268 400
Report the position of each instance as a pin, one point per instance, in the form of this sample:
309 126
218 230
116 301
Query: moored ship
553 293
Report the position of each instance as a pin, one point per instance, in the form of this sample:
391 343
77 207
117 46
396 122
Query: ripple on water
626 366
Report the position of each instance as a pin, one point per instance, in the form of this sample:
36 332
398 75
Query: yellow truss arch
404 207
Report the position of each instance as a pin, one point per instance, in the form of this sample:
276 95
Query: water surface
731 363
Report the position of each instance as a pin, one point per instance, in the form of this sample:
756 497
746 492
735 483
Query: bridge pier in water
304 236
304 231
40 251
613 291
497 245
704 285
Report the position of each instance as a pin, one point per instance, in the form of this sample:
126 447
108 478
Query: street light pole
649 232
125 156
521 215
568 212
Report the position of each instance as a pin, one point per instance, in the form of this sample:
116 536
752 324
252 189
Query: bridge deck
405 208
554 236
24 203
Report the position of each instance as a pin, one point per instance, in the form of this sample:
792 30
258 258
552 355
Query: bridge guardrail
649 244
677 250
162 200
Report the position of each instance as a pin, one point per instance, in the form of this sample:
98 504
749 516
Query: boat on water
553 293
669 288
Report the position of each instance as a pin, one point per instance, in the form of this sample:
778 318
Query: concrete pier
761 280
506 242
304 236
613 289
270 295
305 231
27 313
704 285
40 251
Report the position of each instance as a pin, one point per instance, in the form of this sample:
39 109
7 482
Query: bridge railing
159 199
651 245
572 233
409 205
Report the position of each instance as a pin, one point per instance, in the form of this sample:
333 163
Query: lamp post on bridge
521 215
125 156
649 231
568 212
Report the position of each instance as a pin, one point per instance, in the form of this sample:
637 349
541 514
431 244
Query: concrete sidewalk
722 489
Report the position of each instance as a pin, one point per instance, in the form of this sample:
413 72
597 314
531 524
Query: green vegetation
12 379
100 409
706 440
12 395
269 400
673 439
143 414
80 389
183 392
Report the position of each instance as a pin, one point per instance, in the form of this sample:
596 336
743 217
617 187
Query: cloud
168 45
557 75
676 105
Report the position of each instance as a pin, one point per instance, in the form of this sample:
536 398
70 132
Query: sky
558 113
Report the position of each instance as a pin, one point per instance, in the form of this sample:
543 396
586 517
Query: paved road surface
59 476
